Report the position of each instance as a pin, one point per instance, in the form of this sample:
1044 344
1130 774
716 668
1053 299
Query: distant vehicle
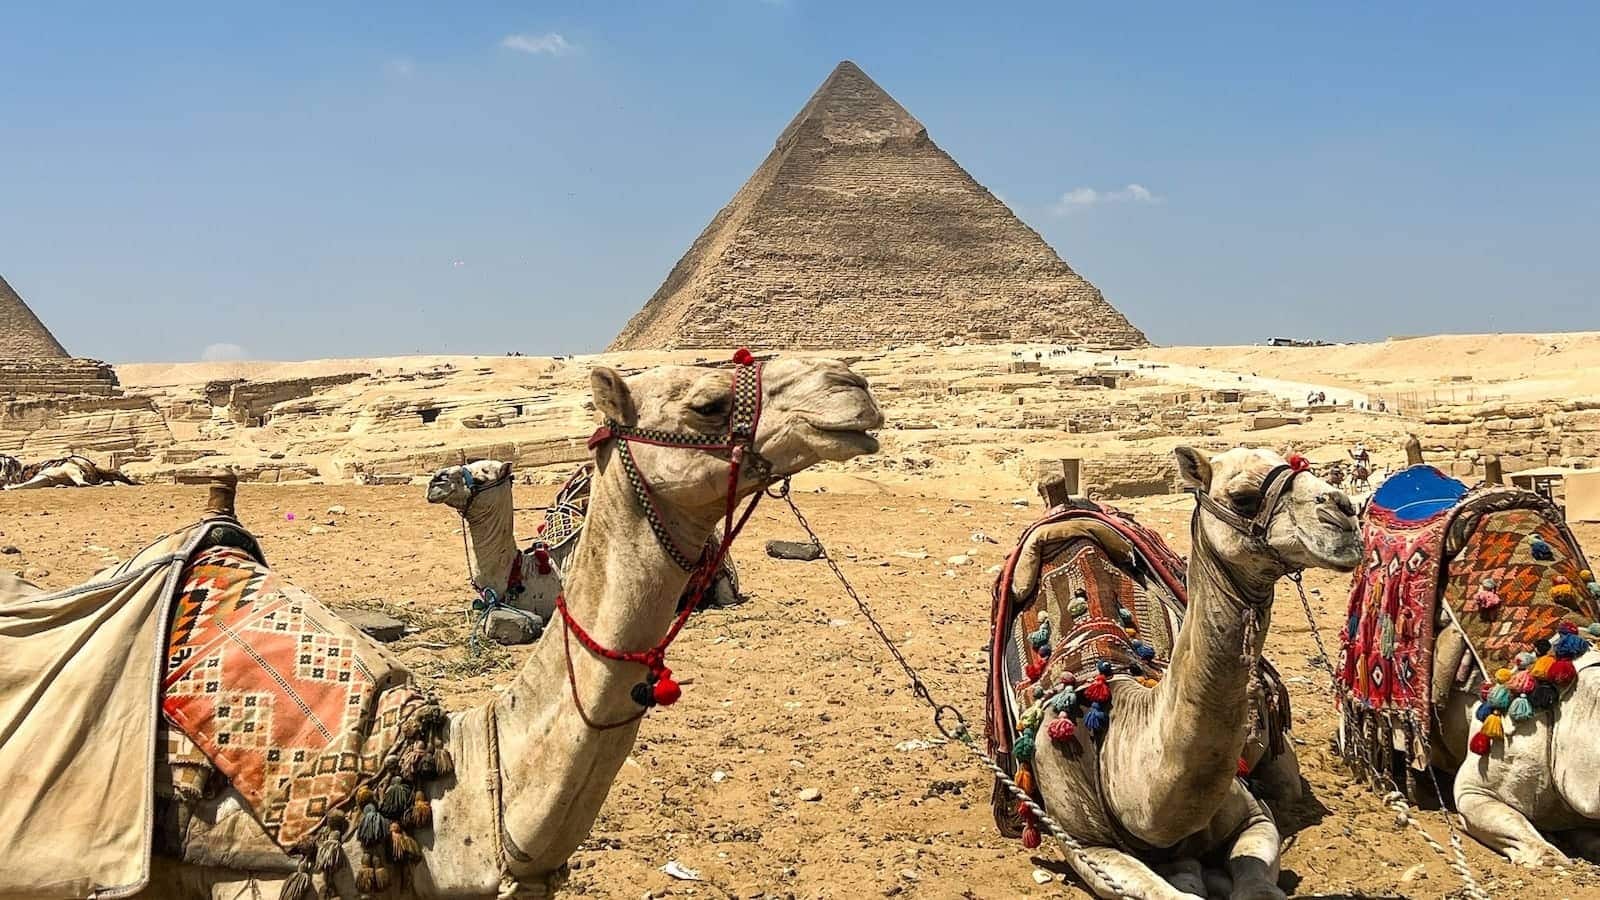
1296 342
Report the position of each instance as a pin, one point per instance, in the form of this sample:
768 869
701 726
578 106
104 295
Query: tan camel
481 493
531 772
1161 781
69 471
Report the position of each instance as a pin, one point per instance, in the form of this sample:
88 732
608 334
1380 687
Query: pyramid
22 335
858 231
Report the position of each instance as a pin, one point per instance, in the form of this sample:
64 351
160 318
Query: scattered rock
802 551
35 573
10 550
378 626
336 510
719 777
911 554
1040 876
809 795
680 871
960 559
316 529
510 627
979 537
1414 873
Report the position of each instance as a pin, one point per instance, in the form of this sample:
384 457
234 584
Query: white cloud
552 44
400 67
1085 197
223 353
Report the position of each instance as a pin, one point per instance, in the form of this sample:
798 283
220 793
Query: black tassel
373 828
330 853
298 887
396 799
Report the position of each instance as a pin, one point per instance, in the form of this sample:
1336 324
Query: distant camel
67 471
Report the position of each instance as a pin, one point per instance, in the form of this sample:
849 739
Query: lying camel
568 721
1160 781
68 471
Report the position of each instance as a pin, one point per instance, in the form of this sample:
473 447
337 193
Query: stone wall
56 377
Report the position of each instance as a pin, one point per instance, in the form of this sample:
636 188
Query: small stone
910 875
911 554
809 795
1413 874
10 550
960 559
376 625
801 551
34 573
1040 876
719 777
316 529
336 510
511 627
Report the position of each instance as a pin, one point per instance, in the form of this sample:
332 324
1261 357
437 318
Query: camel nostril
1333 518
1344 504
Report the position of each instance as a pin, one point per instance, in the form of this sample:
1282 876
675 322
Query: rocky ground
798 763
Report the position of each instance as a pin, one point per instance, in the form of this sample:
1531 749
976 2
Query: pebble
10 550
960 559
34 573
316 529
719 777
1040 876
910 875
809 795
1412 874
336 510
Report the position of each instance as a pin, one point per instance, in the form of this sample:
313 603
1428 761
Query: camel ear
611 396
505 471
1194 468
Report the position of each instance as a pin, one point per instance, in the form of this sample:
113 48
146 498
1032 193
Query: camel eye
714 408
1246 503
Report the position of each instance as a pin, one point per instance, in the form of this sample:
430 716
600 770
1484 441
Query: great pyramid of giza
22 335
858 231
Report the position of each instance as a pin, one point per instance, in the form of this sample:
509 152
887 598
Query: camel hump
223 487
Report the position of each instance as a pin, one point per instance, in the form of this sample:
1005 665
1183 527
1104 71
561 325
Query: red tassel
1244 768
743 357
1483 690
1479 744
541 558
1034 669
1562 672
1023 812
1061 729
666 690
1030 837
600 436
1298 463
1098 691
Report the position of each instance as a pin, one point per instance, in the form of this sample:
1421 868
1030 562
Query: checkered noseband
737 445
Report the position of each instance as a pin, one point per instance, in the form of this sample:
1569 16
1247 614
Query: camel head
455 486
812 410
1313 524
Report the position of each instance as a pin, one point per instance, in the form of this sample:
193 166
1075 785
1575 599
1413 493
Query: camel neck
1201 705
490 521
622 588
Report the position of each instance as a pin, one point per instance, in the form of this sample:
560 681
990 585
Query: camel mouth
1340 551
438 491
843 440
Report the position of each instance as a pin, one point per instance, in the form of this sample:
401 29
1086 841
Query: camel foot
1503 829
1255 888
1533 855
1218 884
1185 875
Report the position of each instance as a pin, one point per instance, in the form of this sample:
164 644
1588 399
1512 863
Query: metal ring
779 490
956 732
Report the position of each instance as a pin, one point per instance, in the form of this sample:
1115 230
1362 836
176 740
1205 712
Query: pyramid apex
22 335
850 109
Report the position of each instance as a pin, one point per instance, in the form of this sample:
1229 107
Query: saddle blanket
294 705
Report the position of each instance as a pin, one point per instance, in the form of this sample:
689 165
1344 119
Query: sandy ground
790 691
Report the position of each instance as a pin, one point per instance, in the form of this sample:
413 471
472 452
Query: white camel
532 768
1162 779
68 471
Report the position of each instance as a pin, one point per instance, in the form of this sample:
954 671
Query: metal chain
1395 799
956 729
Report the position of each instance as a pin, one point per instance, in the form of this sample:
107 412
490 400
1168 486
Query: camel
68 471
481 493
1161 780
534 765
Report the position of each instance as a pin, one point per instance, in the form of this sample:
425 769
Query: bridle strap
1273 487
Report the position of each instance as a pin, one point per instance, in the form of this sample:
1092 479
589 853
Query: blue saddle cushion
1418 493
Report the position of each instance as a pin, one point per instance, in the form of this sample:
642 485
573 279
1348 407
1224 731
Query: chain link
1456 859
956 729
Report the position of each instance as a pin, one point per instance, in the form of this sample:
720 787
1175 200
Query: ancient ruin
858 231
34 364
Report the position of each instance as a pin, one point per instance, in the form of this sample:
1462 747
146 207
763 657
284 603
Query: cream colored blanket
80 672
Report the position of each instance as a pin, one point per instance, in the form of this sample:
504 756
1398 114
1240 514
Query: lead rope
1456 858
956 728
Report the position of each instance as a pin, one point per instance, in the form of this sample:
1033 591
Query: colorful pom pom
743 357
1124 615
1022 748
1479 744
1541 550
1144 651
1030 836
1243 769
1525 659
1097 691
1483 711
1095 719
1521 710
1541 667
1492 727
1568 645
1544 696
1061 729
1501 676
1522 683
1024 779
1563 672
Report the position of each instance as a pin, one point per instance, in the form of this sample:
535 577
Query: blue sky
482 177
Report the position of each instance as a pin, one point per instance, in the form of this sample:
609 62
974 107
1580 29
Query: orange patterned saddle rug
293 705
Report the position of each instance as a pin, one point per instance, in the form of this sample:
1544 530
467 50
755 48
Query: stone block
511 627
376 625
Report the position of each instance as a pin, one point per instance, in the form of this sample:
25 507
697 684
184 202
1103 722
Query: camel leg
1134 880
1501 828
38 481
1253 858
1186 875
1277 780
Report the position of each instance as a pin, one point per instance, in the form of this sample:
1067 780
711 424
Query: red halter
659 686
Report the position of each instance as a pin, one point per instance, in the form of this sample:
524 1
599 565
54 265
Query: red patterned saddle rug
1510 575
1087 595
293 705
